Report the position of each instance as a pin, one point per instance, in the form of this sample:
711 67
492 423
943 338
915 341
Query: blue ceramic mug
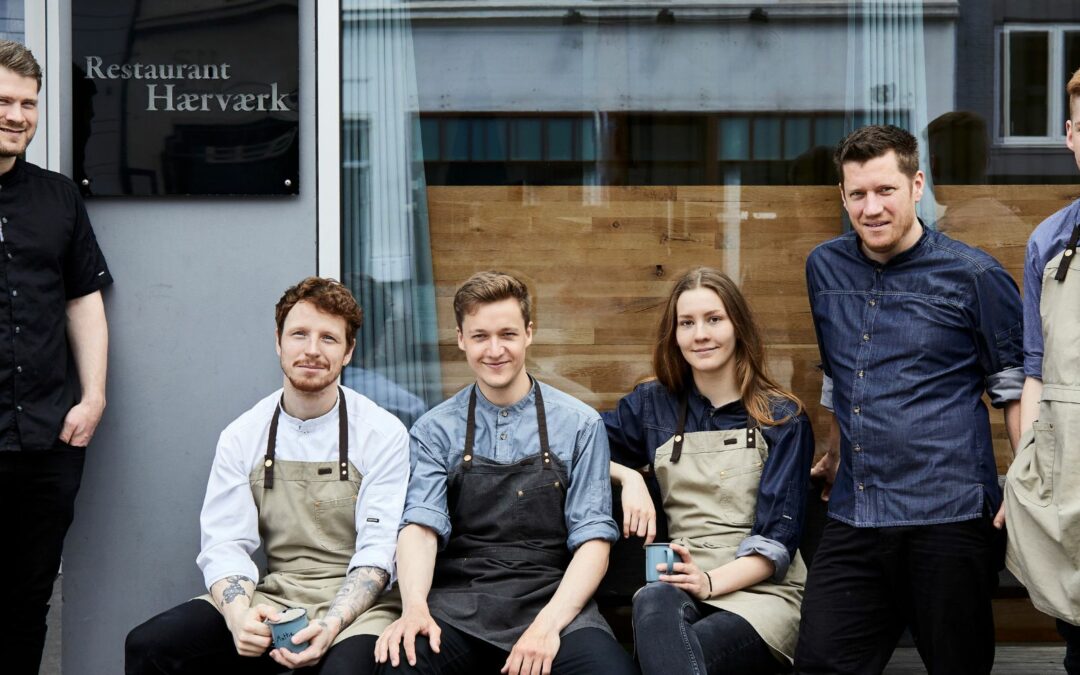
658 554
289 623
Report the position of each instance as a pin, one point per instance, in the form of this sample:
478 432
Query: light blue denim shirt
506 435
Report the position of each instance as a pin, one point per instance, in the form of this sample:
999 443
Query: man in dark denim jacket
913 327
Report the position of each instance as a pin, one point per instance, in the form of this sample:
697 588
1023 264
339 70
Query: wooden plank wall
600 261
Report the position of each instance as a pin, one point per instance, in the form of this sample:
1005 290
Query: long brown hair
757 388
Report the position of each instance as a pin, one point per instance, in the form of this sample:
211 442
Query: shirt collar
14 175
330 417
526 401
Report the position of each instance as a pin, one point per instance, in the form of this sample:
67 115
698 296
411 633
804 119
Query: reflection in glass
1028 96
734 138
13 20
1071 65
766 138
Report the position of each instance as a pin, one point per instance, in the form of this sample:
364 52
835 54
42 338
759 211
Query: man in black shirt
53 345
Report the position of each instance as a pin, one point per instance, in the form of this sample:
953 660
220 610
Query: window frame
1055 84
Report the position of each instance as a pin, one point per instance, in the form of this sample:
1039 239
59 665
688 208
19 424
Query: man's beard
312 385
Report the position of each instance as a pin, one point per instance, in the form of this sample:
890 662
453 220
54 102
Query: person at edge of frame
53 361
316 474
507 523
912 328
731 452
1042 488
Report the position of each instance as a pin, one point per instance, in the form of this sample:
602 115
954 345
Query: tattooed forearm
357 594
232 587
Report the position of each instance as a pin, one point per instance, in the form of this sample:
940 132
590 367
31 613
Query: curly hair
328 295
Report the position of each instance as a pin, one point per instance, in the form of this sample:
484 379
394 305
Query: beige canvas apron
709 496
307 523
1042 489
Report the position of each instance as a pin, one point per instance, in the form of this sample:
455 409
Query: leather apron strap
1070 251
541 423
343 442
680 429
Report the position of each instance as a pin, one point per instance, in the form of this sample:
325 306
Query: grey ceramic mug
289 623
658 554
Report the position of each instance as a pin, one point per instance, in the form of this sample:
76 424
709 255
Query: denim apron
507 550
709 485
307 522
1042 487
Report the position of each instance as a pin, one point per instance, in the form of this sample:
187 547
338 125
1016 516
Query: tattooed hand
232 595
362 586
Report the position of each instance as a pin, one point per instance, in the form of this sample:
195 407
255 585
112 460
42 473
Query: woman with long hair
730 451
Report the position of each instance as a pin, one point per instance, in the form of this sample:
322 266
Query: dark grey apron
507 551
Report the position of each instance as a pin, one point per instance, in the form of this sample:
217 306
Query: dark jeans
192 639
587 651
677 635
867 584
37 498
1071 634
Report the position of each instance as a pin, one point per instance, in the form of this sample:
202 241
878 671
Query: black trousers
587 651
867 584
37 497
192 639
1071 635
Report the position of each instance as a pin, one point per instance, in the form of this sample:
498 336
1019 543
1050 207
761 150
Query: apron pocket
533 507
335 520
738 493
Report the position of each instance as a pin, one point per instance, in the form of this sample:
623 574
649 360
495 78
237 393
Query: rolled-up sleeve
999 324
229 520
780 511
588 499
425 500
1033 336
381 501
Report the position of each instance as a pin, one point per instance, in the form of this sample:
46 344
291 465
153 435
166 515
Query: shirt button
857 410
857 448
504 413
502 437
14 293
18 369
18 408
3 220
17 329
872 302
866 337
862 373
860 487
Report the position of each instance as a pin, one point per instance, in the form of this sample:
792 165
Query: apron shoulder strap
343 435
271 446
1070 252
680 428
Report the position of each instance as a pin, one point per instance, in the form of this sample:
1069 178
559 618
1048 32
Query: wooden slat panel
601 259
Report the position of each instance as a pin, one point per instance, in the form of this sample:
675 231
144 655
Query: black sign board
186 97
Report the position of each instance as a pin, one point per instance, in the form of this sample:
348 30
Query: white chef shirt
378 448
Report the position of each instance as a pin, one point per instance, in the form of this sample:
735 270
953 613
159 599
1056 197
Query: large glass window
599 151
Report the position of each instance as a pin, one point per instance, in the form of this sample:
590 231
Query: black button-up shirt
48 256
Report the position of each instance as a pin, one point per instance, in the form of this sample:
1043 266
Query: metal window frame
328 137
1055 84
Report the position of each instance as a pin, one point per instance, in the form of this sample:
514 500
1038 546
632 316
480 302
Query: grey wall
191 347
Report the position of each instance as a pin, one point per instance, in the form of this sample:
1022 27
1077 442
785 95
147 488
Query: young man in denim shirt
507 522
912 327
1043 488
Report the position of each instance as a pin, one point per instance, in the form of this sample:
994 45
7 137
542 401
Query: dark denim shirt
646 418
910 346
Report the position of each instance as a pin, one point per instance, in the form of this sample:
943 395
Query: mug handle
669 556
